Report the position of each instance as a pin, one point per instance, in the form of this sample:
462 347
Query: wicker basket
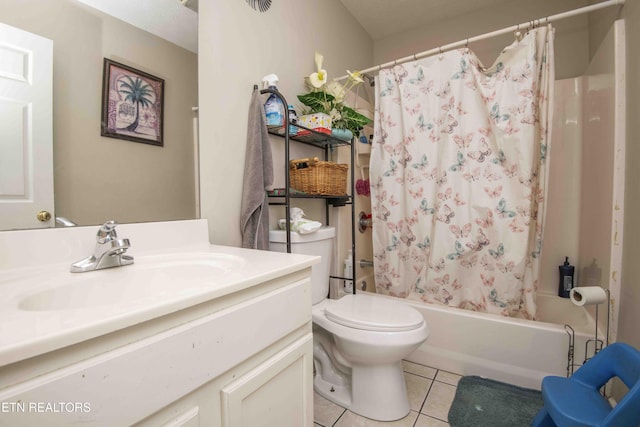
314 176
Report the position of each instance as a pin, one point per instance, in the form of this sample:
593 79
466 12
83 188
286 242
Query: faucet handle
107 232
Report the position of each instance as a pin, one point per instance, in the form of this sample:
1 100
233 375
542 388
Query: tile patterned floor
431 392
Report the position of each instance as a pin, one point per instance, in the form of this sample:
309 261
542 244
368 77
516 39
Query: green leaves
318 102
323 102
353 120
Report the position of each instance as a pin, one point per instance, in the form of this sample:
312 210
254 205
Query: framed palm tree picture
132 104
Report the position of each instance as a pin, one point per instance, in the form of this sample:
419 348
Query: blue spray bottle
273 107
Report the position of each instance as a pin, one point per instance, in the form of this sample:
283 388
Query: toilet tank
319 243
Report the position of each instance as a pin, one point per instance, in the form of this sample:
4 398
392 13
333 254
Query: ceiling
191 4
163 18
383 18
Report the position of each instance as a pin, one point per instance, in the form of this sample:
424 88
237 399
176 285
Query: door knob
43 216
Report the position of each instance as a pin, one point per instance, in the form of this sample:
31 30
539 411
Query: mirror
98 178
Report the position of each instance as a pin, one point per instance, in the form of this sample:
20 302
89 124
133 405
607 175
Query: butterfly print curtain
458 177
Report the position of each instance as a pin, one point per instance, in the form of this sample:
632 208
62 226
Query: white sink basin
149 279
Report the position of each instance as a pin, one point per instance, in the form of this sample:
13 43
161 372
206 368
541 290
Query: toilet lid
373 314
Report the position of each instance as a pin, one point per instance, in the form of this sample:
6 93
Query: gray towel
258 178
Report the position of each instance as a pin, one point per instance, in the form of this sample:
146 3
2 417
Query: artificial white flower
318 79
319 58
356 76
336 90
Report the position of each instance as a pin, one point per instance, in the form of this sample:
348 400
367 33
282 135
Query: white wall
603 162
571 44
562 223
586 183
630 281
237 47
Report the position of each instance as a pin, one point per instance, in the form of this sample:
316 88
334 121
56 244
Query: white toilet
358 340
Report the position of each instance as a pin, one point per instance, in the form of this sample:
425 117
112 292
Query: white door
26 129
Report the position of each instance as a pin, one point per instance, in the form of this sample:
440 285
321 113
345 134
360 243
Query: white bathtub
516 351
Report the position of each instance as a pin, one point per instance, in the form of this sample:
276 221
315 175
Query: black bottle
566 278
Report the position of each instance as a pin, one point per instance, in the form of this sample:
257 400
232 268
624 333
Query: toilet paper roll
588 295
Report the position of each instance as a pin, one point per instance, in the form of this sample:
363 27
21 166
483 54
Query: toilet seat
373 314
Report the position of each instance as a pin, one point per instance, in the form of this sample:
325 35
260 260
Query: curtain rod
513 28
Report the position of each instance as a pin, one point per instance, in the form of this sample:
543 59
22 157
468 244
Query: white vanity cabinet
243 358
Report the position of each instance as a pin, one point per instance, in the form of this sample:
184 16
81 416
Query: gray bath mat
482 402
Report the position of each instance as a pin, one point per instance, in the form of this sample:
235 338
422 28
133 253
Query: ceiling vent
261 5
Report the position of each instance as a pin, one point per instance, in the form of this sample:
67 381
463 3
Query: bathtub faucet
364 263
109 252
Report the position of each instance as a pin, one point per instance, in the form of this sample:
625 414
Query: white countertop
26 331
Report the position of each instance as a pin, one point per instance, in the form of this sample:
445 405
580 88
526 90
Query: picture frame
132 104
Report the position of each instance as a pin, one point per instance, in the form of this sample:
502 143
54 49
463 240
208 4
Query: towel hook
440 56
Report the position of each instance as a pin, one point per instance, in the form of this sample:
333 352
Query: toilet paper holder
588 295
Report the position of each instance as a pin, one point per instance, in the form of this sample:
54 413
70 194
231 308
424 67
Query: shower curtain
458 177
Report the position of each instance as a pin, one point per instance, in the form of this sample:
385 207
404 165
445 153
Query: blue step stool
576 401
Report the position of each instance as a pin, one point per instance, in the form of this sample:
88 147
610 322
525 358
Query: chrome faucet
109 252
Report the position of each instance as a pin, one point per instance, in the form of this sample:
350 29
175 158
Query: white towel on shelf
299 224
258 179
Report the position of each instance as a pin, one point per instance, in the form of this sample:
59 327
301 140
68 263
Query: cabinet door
278 392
